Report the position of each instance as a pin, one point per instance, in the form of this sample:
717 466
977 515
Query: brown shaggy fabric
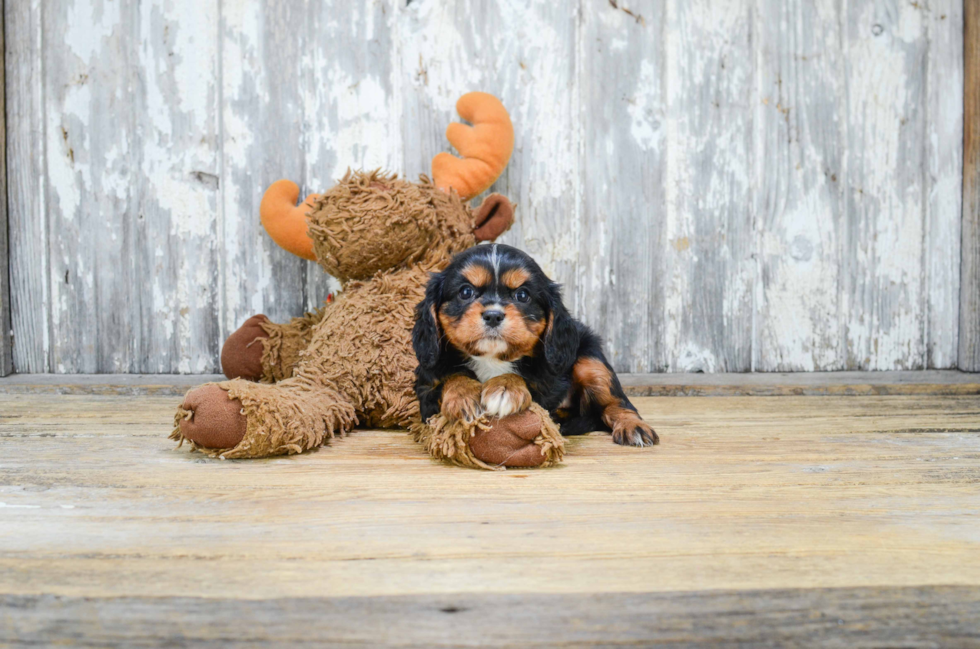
372 221
454 441
289 417
284 344
351 362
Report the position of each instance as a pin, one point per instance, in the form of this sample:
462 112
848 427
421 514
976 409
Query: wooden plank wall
969 349
6 355
721 185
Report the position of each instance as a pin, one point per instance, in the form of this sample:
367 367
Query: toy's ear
561 334
494 217
426 336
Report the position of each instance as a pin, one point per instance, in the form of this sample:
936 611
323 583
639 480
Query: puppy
492 335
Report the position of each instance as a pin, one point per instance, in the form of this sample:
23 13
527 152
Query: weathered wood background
721 185
969 353
6 357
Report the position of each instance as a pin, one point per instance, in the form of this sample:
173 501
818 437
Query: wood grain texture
825 519
6 338
720 186
743 493
709 77
919 382
943 175
89 123
799 210
969 335
885 53
27 214
623 251
179 200
668 384
868 617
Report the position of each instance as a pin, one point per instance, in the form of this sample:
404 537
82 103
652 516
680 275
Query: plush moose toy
294 386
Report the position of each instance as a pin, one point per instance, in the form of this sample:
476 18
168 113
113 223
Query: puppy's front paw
505 395
461 399
634 432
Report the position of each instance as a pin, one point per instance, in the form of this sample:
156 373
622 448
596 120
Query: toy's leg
263 350
240 419
527 439
241 355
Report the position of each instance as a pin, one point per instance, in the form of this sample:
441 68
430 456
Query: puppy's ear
561 336
426 334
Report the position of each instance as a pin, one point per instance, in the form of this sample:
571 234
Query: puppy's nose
493 318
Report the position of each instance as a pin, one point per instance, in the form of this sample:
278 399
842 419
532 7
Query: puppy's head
493 301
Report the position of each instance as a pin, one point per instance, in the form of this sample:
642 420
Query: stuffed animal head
372 221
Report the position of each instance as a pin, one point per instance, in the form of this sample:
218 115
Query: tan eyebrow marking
515 277
477 275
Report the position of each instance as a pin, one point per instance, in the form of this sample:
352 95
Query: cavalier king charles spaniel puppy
492 335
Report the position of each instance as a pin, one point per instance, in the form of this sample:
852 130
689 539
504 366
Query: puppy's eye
466 293
522 295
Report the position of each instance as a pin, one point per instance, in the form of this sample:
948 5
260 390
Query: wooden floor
834 521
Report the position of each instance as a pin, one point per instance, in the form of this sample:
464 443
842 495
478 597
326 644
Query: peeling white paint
360 136
798 322
88 25
643 108
708 296
799 193
944 125
886 199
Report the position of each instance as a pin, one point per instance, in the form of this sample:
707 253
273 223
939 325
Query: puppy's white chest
487 367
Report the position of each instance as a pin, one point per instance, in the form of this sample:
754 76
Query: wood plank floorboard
758 520
921 382
848 617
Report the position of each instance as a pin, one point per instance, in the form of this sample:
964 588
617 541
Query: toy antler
486 146
284 220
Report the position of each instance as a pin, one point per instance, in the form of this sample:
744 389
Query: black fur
547 371
425 334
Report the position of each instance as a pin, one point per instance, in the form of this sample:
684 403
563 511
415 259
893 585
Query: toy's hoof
510 441
216 420
241 355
